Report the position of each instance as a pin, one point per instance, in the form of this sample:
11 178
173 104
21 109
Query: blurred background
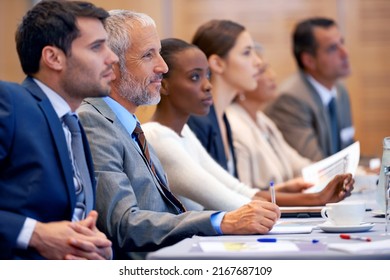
364 23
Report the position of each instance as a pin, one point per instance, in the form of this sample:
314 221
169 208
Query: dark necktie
141 140
332 109
84 193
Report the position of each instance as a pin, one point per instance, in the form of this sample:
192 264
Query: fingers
294 185
348 182
73 257
80 255
82 245
309 184
263 228
107 253
90 220
272 210
66 240
256 217
347 185
342 182
337 189
95 237
90 243
81 229
87 250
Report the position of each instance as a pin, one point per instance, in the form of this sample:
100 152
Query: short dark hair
51 23
217 37
303 36
169 48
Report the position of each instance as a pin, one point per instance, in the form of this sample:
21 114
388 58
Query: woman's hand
295 185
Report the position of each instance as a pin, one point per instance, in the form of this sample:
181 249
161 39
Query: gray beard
133 91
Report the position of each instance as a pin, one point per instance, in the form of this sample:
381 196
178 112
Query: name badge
347 134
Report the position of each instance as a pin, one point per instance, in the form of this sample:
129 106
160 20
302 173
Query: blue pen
267 240
273 240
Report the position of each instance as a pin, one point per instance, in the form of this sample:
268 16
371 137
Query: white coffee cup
344 213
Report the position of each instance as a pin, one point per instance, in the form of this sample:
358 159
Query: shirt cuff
25 234
216 220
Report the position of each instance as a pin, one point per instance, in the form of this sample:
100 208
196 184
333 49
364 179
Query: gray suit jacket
133 211
303 120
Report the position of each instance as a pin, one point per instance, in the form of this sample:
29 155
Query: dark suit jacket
36 177
303 120
206 128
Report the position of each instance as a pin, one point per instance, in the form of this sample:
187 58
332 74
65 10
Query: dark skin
336 190
187 91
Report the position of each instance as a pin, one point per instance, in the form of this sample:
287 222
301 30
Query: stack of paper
247 247
367 247
282 227
321 172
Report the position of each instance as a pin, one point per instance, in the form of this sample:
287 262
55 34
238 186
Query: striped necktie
142 143
83 184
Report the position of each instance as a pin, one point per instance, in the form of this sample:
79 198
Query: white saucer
327 227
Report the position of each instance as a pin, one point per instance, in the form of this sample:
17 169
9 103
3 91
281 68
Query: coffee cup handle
324 213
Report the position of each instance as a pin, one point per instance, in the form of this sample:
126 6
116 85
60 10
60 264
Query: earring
241 97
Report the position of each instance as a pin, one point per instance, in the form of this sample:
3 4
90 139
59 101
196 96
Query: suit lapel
88 157
322 111
101 106
57 133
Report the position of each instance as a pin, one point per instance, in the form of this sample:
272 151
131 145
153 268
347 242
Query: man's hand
88 227
256 217
67 240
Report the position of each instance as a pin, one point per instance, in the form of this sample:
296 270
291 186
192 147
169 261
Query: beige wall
365 24
11 12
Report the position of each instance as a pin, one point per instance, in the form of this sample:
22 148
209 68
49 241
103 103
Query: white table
190 248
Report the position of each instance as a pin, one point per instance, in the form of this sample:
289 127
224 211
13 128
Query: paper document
282 227
363 247
252 246
321 172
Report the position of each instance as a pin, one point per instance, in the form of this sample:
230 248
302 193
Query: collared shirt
346 133
216 220
61 108
59 104
129 121
325 94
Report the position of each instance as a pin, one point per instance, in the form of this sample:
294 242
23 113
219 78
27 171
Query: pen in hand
272 191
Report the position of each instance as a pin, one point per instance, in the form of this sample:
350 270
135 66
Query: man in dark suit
62 49
313 110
